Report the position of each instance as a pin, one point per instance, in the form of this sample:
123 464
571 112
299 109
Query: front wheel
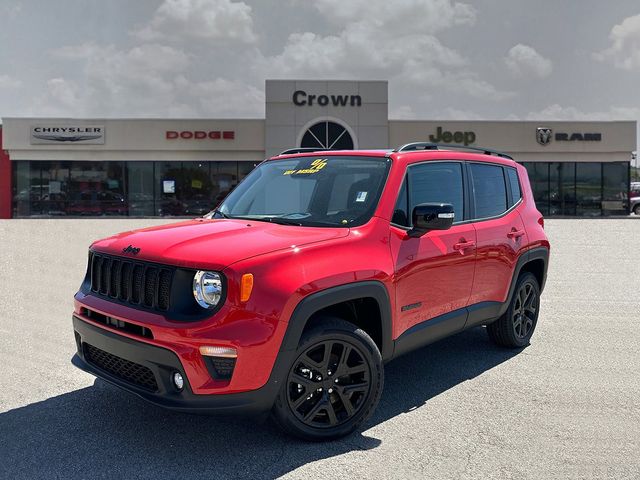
515 328
333 385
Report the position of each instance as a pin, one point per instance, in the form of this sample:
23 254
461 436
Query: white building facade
184 167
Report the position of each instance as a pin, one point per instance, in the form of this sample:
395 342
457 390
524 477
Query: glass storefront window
197 191
145 188
22 193
168 177
588 189
95 189
562 188
140 189
615 188
85 188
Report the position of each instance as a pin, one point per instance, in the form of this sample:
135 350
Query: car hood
212 244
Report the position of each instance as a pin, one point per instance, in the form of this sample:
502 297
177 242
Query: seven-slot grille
139 283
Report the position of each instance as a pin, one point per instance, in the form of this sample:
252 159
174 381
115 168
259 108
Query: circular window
327 134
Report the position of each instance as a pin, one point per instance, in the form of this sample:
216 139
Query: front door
434 272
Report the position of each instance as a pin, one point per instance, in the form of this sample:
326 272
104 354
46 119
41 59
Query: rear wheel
636 209
515 328
334 384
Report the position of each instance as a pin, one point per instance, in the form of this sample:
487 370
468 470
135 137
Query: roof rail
439 146
291 151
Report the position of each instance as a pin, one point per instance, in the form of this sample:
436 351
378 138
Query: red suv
314 272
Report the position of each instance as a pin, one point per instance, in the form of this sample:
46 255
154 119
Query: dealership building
53 167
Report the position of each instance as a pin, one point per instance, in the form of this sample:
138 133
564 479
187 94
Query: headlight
207 288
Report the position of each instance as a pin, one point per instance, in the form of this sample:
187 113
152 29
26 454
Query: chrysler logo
131 250
65 138
543 135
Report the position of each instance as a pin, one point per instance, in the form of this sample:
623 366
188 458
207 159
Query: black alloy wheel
333 385
328 384
525 311
515 328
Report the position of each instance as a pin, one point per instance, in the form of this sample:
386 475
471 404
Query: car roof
408 157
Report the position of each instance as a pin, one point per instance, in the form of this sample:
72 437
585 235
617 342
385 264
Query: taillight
541 221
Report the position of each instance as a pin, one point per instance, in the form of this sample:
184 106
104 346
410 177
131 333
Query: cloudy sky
486 59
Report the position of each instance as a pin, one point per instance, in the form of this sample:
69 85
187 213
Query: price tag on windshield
307 168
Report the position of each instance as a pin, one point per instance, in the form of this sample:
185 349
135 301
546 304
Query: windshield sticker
361 197
317 165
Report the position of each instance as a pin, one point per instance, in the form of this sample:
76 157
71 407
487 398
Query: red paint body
5 182
289 263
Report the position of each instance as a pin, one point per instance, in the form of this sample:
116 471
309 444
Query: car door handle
461 246
515 233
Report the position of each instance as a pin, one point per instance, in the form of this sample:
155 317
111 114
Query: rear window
514 184
489 190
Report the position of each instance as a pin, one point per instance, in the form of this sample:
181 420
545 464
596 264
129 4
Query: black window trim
466 197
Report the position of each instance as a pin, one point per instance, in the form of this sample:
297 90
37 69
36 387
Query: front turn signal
246 286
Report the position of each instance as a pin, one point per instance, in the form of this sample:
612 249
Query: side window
401 210
516 194
489 191
438 182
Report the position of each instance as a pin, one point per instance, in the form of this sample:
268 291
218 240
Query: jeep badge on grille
130 249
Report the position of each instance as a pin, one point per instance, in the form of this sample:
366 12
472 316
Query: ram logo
543 135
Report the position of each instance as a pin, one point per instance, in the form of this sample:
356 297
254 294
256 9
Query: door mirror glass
431 216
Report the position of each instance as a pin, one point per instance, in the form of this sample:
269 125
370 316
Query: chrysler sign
67 134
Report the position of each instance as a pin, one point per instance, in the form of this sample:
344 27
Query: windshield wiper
284 221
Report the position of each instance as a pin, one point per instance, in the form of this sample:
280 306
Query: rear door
434 272
500 232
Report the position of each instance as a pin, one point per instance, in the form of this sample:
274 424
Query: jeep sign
444 136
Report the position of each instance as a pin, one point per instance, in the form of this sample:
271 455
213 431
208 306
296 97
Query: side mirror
431 216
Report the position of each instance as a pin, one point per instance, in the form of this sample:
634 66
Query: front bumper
162 363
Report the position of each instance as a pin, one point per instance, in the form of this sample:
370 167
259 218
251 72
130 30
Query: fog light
178 381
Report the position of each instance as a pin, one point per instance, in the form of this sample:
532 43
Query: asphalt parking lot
568 406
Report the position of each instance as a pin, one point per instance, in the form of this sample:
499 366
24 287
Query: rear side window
489 190
516 194
437 182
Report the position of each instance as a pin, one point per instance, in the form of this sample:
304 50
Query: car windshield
309 191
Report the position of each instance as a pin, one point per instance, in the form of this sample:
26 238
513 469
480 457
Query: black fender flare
538 253
342 293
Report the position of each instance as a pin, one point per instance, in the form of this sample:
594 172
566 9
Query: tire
325 397
515 328
636 209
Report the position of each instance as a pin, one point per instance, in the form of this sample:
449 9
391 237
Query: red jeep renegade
314 272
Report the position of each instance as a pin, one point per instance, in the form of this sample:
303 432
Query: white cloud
624 51
212 20
381 39
7 81
223 97
402 112
411 16
523 60
63 92
148 79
